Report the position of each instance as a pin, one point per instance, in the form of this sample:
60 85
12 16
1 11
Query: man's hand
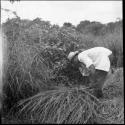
92 69
84 71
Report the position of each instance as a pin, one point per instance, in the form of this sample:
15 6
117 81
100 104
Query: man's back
96 51
97 56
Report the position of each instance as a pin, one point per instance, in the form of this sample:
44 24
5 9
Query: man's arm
92 69
83 57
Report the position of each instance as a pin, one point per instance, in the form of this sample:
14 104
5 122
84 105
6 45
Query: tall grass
113 41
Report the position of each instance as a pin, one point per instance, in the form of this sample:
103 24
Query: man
93 63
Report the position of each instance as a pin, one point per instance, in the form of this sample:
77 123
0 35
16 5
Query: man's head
72 55
73 58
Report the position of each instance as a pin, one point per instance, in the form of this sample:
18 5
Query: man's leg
98 80
92 80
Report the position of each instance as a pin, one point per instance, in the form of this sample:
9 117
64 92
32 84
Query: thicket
36 54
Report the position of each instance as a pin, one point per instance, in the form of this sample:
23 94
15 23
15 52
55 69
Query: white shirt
98 56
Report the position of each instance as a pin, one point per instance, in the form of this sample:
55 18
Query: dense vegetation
39 78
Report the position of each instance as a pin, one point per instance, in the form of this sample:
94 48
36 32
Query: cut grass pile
62 105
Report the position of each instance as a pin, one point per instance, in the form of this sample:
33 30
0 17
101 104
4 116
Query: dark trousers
97 81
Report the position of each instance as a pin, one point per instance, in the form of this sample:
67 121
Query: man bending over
93 63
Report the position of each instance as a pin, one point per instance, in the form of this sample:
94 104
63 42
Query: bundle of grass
61 105
113 86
